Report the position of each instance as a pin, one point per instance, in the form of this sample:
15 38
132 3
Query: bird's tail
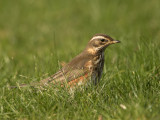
20 86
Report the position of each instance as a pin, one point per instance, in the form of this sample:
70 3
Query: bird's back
76 68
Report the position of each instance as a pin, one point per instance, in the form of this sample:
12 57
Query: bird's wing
66 76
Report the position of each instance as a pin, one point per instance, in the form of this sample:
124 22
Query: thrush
85 67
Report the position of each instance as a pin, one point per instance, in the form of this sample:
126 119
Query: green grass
36 35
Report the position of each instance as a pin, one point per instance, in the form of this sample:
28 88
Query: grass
36 35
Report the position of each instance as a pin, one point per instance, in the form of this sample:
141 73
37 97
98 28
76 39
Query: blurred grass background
36 35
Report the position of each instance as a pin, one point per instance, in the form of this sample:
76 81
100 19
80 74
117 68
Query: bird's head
99 42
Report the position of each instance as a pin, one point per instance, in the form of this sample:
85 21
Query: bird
86 67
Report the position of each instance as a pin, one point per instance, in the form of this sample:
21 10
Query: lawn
36 36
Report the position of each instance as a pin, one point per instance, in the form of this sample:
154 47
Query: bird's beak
115 41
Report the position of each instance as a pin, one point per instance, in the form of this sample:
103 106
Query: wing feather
64 76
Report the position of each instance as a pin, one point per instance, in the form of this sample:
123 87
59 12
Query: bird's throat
91 51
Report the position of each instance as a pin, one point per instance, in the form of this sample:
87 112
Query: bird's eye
102 40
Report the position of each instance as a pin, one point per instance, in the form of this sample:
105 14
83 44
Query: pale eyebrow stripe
98 37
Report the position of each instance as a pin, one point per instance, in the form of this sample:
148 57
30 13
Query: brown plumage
87 66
